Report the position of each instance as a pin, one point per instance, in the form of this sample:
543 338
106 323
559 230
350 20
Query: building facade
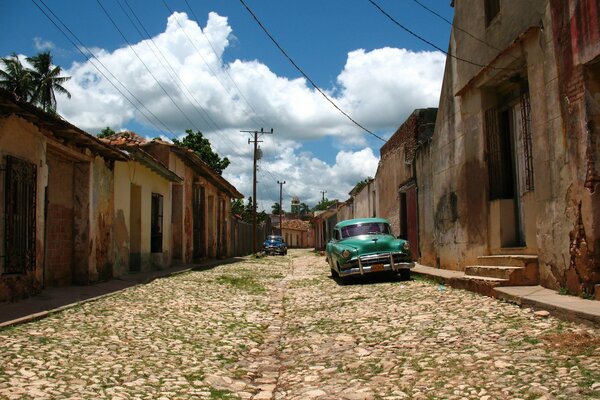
514 167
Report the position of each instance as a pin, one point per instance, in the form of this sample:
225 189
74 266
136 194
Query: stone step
512 260
485 279
492 271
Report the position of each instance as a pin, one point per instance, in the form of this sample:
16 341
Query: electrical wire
430 43
79 48
314 85
213 73
146 66
171 70
262 121
458 28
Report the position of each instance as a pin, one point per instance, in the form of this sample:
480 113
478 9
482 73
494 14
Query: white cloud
378 88
42 45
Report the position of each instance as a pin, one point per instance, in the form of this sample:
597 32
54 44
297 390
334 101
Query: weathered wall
59 237
423 177
552 46
127 174
572 253
23 140
364 201
102 217
391 173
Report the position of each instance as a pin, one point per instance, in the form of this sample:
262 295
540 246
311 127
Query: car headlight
406 246
346 254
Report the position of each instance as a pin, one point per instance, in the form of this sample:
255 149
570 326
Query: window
20 212
492 8
156 223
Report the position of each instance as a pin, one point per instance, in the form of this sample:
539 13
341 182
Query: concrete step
516 269
513 260
491 271
485 279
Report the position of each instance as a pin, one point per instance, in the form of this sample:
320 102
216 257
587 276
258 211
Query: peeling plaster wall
127 174
425 202
572 259
22 139
102 221
560 59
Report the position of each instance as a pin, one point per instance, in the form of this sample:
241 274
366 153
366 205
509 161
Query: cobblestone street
281 328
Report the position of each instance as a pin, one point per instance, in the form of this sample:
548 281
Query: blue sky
371 68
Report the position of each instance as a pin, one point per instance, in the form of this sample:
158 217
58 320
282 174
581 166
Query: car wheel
405 274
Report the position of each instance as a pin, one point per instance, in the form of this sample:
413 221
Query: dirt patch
573 342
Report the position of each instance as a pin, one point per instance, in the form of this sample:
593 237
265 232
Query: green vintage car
366 245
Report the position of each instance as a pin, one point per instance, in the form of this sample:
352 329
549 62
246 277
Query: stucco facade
56 230
396 181
513 156
202 203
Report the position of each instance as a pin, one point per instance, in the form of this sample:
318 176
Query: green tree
324 204
106 132
197 142
361 184
46 81
246 211
15 78
304 209
237 207
276 208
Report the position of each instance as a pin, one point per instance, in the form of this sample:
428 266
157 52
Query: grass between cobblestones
207 335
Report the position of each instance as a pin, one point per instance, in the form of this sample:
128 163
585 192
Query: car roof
356 221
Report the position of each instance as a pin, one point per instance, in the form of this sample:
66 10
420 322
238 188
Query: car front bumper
274 250
373 263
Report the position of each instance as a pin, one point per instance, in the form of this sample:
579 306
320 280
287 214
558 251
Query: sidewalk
59 298
570 308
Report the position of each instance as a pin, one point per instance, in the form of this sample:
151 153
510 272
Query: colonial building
143 208
56 187
514 157
202 205
396 183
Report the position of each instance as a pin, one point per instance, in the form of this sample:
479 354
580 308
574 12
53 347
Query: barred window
20 212
156 223
526 137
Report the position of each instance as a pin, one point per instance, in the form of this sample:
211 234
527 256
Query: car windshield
274 238
367 228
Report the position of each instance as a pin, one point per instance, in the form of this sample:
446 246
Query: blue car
275 245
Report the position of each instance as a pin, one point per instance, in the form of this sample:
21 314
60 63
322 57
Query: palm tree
276 208
46 81
15 78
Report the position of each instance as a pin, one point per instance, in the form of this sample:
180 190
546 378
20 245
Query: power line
81 45
263 122
458 28
305 75
171 71
428 42
146 66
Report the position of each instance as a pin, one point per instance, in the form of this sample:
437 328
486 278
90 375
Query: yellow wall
126 174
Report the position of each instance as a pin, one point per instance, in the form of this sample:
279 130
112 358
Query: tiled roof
296 224
125 138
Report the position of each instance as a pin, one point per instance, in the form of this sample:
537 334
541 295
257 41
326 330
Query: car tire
405 274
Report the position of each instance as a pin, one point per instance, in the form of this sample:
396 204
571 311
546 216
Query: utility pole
323 195
280 206
257 134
